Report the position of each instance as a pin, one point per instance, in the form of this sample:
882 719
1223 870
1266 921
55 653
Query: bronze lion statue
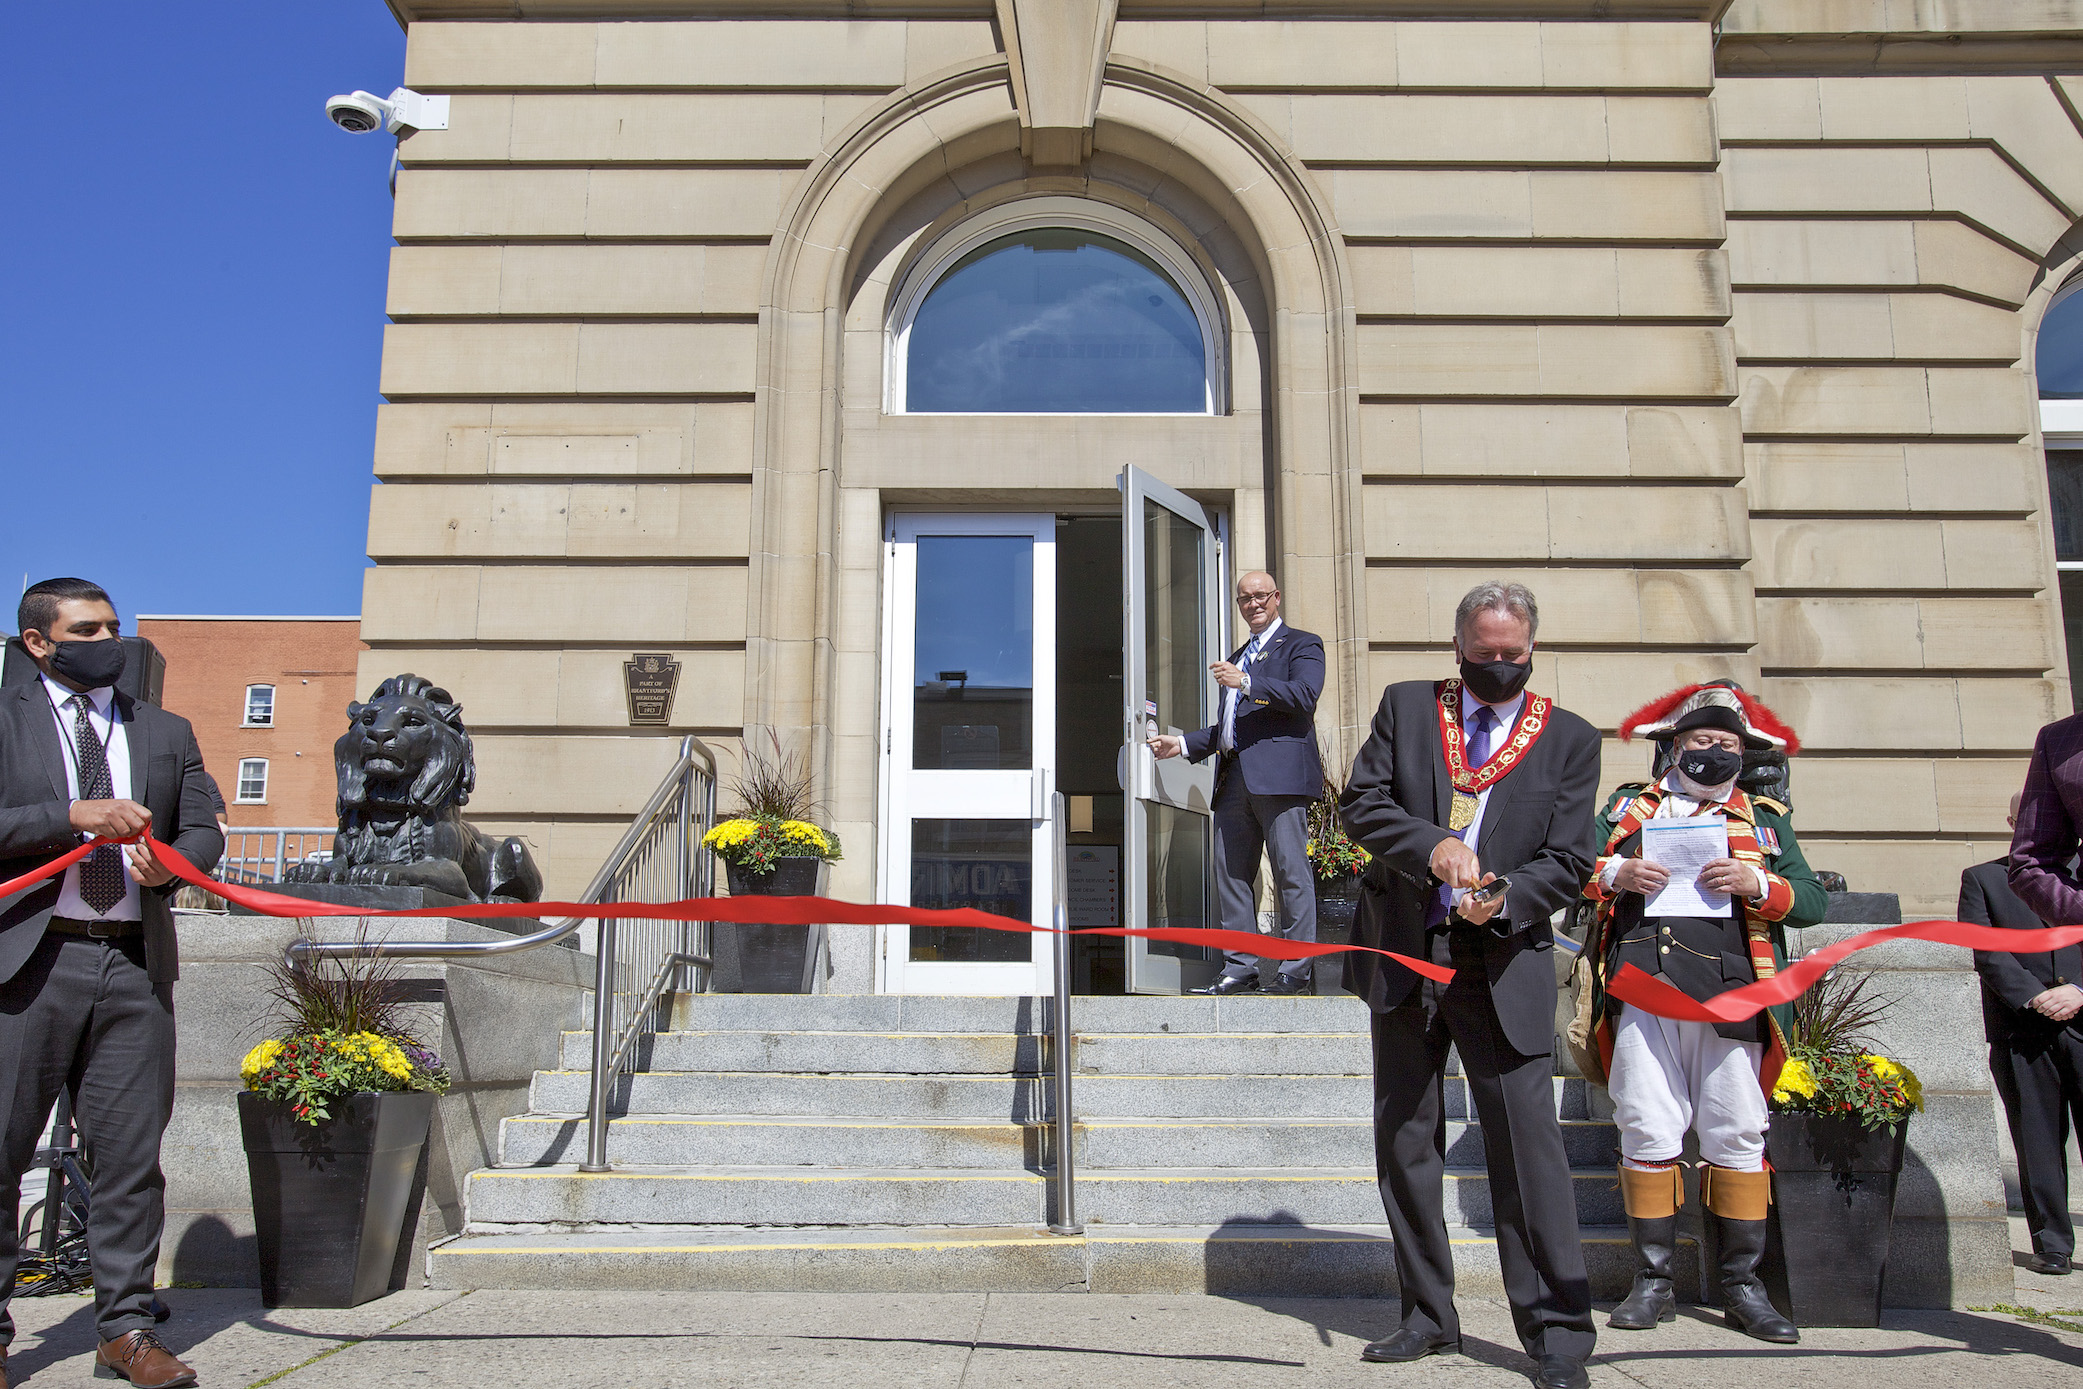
406 769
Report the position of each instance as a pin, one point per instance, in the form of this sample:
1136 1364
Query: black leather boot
1652 1299
1742 1295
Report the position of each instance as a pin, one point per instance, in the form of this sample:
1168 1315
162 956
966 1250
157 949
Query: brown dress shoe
143 1359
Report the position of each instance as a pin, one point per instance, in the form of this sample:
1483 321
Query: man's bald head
1258 599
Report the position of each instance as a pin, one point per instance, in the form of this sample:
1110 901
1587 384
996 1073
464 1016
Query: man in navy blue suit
1270 770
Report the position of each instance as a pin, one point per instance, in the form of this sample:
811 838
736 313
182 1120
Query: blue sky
193 299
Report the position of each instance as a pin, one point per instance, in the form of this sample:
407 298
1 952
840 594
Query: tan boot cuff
1735 1195
1652 1195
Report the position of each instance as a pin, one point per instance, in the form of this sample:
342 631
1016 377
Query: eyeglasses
1255 600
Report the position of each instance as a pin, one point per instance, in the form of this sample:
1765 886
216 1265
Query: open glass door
1173 601
970 747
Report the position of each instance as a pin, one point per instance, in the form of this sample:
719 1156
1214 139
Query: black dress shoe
1227 985
1562 1372
1406 1346
2054 1265
1285 984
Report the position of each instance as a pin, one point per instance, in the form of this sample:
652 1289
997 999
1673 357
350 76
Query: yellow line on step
762 1174
1054 1241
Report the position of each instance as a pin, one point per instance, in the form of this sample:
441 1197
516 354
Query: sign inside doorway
651 677
1094 873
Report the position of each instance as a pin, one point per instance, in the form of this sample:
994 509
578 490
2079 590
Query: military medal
1469 784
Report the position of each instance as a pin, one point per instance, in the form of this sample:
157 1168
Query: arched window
1056 306
2058 363
2058 359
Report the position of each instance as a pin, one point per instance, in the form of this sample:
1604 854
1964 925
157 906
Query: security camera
358 112
404 109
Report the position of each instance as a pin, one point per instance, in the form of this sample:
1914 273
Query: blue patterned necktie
101 873
1231 698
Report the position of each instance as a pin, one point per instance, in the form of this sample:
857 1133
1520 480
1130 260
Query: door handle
1043 804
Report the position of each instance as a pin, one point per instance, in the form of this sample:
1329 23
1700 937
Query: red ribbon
774 911
1631 985
1653 995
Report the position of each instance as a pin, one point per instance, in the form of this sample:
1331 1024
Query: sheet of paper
1685 847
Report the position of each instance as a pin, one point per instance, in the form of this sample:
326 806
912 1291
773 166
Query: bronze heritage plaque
652 676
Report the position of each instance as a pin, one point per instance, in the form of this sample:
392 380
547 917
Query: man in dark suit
1462 783
2030 1016
1270 772
88 960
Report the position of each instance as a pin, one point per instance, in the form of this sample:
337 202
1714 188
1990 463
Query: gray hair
1496 596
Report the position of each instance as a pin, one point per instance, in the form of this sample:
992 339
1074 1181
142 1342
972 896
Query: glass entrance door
969 752
1172 593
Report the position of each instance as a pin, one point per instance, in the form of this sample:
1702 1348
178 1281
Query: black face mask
88 664
1494 682
1710 766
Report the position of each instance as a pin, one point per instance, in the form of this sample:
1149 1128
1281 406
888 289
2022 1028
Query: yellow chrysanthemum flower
258 1060
730 834
1795 1080
1896 1073
803 832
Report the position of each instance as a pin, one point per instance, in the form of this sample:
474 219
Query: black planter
330 1201
755 958
1833 1206
1337 903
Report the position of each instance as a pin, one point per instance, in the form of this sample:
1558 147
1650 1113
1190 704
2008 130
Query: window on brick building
260 706
253 781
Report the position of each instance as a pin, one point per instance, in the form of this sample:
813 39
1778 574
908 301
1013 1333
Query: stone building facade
1713 322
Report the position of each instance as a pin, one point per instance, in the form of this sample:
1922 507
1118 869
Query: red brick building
267 696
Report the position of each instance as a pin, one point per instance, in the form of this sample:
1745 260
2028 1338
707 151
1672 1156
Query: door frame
1174 782
907 793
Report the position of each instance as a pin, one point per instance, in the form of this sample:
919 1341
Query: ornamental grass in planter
1336 863
1840 1115
771 846
334 1119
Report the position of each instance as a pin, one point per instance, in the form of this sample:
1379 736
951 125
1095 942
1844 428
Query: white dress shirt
1227 724
1507 716
108 725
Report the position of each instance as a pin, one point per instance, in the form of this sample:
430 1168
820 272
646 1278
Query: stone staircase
903 1144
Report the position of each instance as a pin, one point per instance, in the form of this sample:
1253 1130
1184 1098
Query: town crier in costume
1462 783
1668 1076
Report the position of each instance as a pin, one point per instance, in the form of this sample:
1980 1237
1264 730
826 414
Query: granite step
879 1013
1233 1259
1005 1053
1015 1098
1170 1195
794 1140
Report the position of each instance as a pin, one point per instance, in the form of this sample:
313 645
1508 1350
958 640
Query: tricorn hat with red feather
1712 706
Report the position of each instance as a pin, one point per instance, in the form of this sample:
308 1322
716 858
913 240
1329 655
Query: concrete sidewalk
962 1340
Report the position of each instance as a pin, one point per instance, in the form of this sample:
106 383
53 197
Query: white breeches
1670 1076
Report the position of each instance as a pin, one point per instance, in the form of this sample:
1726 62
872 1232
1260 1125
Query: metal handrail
683 806
1066 1221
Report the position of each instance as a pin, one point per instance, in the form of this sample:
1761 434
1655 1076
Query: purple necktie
1482 737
